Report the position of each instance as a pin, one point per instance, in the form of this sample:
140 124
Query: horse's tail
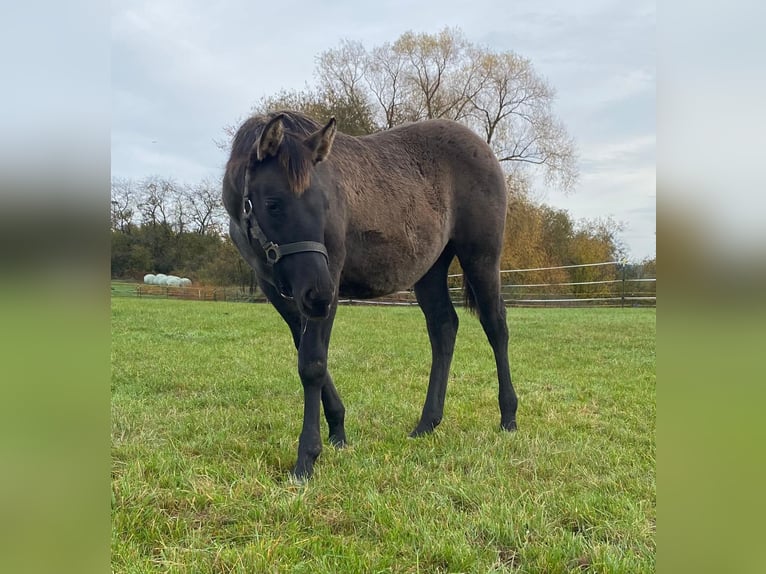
469 298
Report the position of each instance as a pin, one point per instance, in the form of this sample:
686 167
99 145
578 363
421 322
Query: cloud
621 86
621 151
618 180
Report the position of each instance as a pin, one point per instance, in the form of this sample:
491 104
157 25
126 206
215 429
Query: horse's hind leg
483 278
433 296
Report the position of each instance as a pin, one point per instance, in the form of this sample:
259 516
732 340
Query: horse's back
408 192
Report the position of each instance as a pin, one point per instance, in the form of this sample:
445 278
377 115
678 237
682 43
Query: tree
123 198
525 244
557 232
353 116
437 75
594 241
204 209
425 76
160 226
154 197
385 77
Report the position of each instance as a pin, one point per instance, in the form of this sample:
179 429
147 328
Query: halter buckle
272 252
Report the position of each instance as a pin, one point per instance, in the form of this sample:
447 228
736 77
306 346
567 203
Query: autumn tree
525 244
556 234
595 240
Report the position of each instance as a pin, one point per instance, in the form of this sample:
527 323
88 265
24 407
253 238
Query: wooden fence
614 290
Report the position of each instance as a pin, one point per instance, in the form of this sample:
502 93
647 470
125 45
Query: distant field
206 411
124 288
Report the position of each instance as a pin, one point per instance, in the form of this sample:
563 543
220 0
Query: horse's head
285 210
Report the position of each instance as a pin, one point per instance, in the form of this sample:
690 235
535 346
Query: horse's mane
294 158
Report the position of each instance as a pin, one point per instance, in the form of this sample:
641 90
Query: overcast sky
184 69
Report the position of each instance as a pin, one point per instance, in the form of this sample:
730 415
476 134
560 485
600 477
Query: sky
183 70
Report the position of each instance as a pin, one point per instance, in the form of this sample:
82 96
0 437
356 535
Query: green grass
206 412
124 288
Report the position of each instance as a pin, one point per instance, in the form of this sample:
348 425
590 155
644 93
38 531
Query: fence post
623 264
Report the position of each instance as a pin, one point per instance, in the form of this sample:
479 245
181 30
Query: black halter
274 252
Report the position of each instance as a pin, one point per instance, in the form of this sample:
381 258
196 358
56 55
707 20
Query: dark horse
320 214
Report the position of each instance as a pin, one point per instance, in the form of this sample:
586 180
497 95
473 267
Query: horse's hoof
301 475
422 430
296 480
510 426
338 442
303 470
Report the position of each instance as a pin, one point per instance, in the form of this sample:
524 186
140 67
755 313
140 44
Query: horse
321 215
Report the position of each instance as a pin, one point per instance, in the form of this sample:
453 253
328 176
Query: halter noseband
274 252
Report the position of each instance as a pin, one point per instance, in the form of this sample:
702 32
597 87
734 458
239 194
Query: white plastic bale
149 279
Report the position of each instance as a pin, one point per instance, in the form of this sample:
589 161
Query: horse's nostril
315 303
313 297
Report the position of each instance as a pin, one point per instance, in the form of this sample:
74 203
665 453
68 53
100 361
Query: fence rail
617 291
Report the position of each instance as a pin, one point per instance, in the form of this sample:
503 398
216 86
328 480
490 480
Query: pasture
207 408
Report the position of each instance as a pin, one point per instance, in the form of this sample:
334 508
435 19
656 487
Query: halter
274 252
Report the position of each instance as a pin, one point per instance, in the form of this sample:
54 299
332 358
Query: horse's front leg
316 381
334 411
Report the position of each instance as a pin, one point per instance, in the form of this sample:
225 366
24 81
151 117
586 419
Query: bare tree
155 195
512 109
203 202
437 75
385 80
179 208
341 72
123 204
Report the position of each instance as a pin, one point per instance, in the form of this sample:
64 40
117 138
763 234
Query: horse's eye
274 207
248 206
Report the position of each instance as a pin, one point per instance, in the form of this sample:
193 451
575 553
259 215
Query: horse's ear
268 144
320 142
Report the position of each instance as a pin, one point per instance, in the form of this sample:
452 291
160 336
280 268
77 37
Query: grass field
207 407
